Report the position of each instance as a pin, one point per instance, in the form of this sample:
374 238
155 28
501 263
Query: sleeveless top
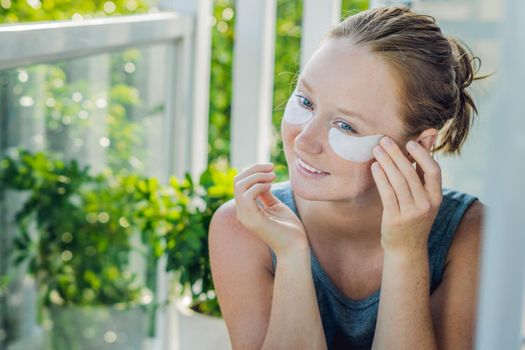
350 323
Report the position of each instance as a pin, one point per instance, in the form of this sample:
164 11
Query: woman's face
340 77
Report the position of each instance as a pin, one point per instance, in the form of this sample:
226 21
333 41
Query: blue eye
303 99
346 127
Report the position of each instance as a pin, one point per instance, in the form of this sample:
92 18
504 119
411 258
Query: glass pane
107 112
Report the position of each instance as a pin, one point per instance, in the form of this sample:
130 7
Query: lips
309 167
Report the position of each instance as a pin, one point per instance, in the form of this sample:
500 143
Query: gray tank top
350 323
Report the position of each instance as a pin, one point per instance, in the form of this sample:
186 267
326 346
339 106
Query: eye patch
294 113
348 147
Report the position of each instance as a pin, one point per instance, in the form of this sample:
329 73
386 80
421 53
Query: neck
355 222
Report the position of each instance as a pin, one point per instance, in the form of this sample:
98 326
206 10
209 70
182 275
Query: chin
306 190
325 189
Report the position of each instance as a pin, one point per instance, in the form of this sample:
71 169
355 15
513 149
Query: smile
310 168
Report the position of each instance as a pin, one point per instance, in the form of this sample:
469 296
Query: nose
309 140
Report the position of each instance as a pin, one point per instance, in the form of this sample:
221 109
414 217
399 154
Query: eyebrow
340 110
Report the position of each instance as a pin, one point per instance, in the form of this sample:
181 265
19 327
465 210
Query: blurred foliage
71 105
350 7
86 327
65 97
192 265
12 11
75 230
221 81
287 65
181 212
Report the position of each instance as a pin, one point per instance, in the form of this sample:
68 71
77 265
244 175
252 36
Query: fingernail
378 150
411 144
386 141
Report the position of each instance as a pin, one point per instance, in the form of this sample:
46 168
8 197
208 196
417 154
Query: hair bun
434 70
463 68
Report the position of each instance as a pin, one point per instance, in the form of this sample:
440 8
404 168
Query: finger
244 184
268 199
417 190
250 206
256 168
437 197
430 170
396 179
388 196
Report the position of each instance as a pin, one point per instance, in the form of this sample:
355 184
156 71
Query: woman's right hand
273 222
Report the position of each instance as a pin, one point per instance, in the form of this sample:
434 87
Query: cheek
288 133
359 172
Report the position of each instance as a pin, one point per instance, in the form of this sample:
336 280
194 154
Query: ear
426 139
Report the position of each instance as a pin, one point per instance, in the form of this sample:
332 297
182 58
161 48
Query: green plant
181 212
187 246
76 233
76 230
73 231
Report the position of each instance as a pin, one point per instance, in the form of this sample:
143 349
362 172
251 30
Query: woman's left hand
411 197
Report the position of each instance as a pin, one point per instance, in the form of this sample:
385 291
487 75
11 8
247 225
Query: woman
362 248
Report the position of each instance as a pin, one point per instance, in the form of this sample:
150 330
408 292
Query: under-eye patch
353 148
294 113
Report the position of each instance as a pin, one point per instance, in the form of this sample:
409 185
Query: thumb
268 199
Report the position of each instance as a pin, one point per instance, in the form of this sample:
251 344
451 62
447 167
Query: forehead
345 76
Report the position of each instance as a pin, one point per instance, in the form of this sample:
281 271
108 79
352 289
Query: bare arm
409 318
262 310
295 321
404 319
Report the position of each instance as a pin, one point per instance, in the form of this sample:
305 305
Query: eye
346 127
309 104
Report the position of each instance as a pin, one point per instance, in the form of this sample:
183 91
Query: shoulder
459 218
455 299
239 266
227 235
467 237
225 214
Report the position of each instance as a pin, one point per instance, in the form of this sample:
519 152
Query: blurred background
123 123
